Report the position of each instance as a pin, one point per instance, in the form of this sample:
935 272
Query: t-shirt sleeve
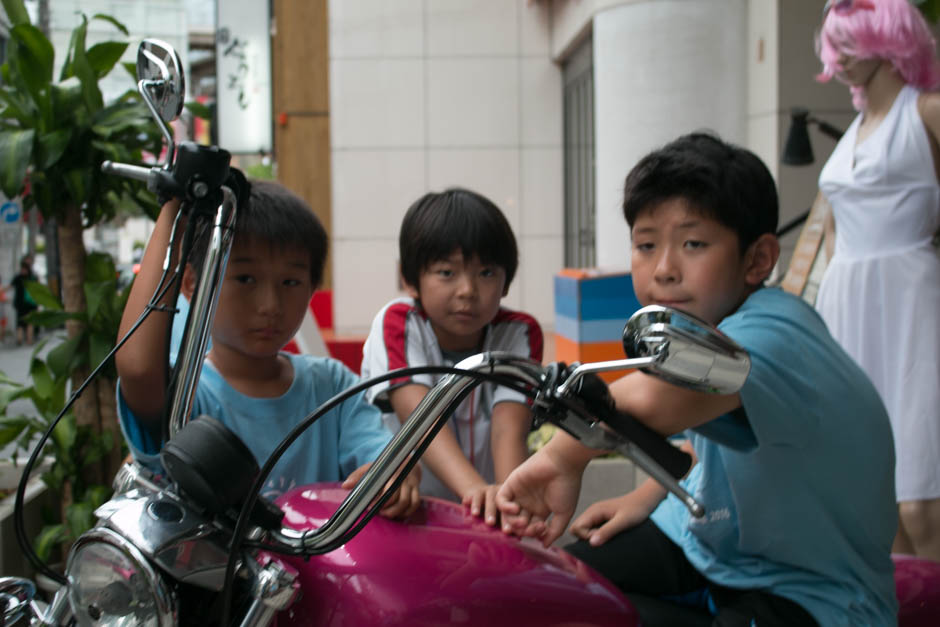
393 342
362 433
779 334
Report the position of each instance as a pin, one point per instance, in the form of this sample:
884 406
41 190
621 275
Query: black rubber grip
675 461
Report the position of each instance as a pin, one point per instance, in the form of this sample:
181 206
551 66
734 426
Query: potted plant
54 135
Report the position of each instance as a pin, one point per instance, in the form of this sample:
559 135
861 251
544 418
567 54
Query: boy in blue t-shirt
257 391
795 470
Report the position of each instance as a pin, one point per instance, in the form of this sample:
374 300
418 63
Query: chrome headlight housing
110 582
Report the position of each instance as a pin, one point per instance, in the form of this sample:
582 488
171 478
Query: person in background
880 294
23 302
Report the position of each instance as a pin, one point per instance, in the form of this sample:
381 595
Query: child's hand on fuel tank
481 499
403 502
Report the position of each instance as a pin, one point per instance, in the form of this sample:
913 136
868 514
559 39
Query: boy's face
263 298
684 260
460 296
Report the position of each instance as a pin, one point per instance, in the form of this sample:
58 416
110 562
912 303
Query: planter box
37 497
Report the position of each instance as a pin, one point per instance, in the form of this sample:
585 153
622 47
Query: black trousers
667 590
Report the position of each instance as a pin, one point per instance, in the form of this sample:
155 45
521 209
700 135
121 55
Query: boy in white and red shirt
458 257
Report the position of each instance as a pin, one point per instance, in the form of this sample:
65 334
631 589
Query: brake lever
586 412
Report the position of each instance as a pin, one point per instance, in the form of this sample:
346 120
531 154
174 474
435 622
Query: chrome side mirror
687 351
160 70
161 83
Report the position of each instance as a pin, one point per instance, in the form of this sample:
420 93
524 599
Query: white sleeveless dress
880 295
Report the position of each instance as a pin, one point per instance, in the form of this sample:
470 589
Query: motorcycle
198 545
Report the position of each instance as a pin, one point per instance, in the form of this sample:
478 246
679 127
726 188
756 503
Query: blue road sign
9 212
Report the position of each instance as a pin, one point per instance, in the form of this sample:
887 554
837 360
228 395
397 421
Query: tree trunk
107 407
72 267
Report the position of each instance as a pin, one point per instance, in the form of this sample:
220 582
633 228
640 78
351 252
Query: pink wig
893 30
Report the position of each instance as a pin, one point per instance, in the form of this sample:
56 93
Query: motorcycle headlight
111 583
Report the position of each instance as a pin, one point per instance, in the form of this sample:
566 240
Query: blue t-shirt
799 488
350 435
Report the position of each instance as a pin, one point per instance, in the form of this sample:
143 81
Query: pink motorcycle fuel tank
440 567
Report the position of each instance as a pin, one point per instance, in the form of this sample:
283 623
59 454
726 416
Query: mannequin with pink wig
880 295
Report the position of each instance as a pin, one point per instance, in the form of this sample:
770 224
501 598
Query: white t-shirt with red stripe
401 336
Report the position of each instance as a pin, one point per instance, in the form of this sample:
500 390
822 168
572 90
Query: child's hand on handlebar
403 502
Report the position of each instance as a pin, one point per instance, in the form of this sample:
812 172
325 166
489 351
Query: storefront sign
243 77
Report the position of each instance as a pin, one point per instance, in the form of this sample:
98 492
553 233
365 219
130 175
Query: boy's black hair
725 182
439 223
276 216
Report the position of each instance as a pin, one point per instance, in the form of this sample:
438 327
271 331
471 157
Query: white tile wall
542 192
491 172
541 102
372 189
535 30
541 259
472 27
433 94
473 101
367 280
376 28
377 103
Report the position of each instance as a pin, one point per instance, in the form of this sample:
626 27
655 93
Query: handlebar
136 172
651 452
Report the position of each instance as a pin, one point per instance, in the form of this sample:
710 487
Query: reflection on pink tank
441 567
917 582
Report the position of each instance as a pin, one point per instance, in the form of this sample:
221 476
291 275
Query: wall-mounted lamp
798 150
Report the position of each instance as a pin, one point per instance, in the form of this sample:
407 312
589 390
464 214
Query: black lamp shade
797 150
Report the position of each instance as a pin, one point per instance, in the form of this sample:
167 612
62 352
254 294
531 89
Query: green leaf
52 146
131 69
66 356
43 295
123 116
99 346
199 110
48 539
78 181
80 67
103 56
95 294
17 108
98 495
16 12
80 517
11 427
6 380
64 434
47 319
107 18
42 380
34 57
66 99
99 267
16 150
